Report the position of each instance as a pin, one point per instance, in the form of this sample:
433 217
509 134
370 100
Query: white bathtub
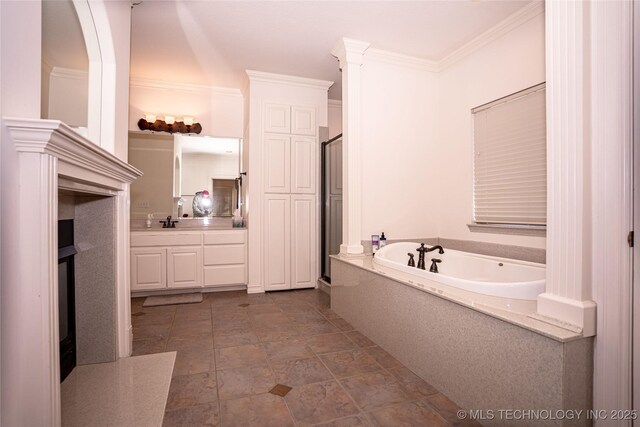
497 277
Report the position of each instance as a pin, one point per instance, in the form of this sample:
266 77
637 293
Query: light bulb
150 118
188 120
169 120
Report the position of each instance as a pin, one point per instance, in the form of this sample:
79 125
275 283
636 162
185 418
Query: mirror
71 73
184 176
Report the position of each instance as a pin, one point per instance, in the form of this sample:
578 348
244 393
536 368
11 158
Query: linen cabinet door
277 242
277 160
303 241
277 118
185 267
303 120
148 268
304 155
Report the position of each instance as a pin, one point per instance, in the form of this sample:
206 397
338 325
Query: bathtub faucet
440 250
423 250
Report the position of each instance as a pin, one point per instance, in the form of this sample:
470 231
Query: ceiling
212 42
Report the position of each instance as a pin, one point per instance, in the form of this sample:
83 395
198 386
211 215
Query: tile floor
233 348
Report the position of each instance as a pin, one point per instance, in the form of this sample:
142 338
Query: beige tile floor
233 348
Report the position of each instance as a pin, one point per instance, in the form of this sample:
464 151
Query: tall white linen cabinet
282 188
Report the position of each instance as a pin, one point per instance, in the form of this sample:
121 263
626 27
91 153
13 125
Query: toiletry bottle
383 241
149 218
375 242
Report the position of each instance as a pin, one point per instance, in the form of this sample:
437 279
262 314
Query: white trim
350 53
182 87
335 103
500 29
568 287
261 76
611 103
401 60
69 73
47 150
579 313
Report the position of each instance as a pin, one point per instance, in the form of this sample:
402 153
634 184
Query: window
510 160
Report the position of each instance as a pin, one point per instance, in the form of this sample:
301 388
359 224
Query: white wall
20 74
67 94
218 110
334 118
506 65
399 118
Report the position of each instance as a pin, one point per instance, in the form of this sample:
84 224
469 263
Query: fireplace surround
50 158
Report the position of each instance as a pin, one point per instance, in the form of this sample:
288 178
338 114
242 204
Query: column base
579 313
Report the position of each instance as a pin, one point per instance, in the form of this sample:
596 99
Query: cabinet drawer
223 237
227 254
169 239
225 275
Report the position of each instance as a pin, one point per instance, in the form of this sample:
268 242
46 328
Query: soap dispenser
383 241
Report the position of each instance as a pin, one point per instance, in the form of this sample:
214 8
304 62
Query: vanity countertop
186 225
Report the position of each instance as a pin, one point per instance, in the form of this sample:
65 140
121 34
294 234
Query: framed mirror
185 176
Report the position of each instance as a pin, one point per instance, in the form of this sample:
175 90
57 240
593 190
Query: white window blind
510 160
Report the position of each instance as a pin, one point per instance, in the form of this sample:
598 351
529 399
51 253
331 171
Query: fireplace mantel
49 156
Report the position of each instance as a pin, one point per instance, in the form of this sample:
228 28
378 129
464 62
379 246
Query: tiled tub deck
484 359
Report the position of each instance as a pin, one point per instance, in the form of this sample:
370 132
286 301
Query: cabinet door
277 242
184 267
277 160
303 120
304 154
303 241
277 118
148 268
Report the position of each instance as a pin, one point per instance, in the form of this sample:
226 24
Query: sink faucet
168 223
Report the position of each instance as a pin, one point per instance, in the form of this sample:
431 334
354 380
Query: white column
568 287
350 53
611 40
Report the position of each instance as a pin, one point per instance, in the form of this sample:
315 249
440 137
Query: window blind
510 160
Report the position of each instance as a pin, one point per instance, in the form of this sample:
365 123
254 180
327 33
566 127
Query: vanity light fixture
169 124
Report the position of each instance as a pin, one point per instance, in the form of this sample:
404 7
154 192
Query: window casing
510 160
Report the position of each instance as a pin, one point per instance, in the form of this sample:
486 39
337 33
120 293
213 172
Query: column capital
350 51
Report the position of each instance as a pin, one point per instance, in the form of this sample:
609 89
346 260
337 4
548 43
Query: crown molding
80 159
69 73
261 76
400 59
182 87
350 51
335 103
500 29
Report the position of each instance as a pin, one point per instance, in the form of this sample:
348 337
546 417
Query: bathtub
480 274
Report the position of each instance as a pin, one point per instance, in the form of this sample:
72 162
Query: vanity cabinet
148 268
225 258
173 259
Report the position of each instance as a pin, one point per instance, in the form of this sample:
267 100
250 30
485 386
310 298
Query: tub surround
482 358
524 317
521 253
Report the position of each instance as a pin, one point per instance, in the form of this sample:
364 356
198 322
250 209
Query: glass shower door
331 202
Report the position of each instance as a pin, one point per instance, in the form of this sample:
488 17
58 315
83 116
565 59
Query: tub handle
412 262
434 265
